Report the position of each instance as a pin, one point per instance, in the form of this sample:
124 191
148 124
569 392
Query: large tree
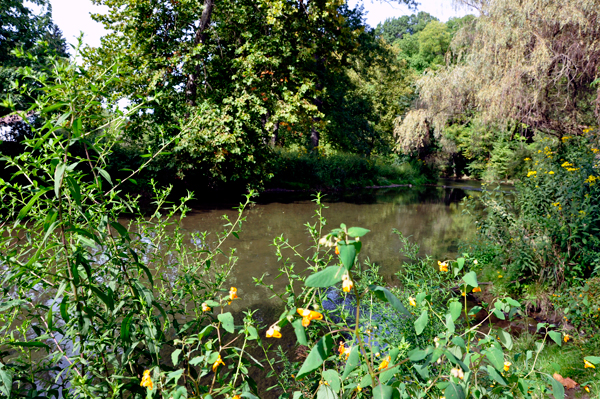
27 38
520 61
239 69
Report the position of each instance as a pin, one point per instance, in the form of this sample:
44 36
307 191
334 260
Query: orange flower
477 289
343 351
507 365
566 338
217 364
411 301
308 315
233 294
205 307
337 250
274 331
384 363
588 365
146 380
236 397
347 284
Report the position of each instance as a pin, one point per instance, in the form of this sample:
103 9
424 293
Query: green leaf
105 175
558 390
454 391
4 306
175 356
326 278
300 332
31 202
316 357
593 359
385 376
499 314
126 327
107 299
455 309
495 375
352 362
459 341
347 254
64 309
382 392
417 355
58 176
496 357
357 231
333 379
423 370
30 344
556 337
226 320
505 339
6 381
386 296
54 107
450 324
471 279
326 392
421 322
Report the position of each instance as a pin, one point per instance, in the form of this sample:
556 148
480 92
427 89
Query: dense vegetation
301 95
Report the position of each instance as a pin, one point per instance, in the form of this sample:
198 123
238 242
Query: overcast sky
73 16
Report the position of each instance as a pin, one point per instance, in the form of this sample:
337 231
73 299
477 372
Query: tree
517 64
238 69
393 29
26 39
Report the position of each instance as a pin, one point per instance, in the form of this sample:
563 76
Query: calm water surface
432 216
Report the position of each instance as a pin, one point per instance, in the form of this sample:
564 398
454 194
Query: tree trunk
191 87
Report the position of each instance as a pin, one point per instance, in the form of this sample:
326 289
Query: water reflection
431 215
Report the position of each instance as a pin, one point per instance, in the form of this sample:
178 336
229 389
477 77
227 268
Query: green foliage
93 306
547 229
28 39
393 29
303 169
354 352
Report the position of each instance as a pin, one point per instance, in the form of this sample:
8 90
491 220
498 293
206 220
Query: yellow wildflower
236 397
205 307
347 284
587 389
384 363
531 173
343 351
411 301
274 331
551 172
443 266
595 150
217 364
507 365
233 294
337 250
477 289
146 380
308 315
566 338
588 365
527 159
499 276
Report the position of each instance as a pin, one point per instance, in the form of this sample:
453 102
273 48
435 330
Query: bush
548 228
303 169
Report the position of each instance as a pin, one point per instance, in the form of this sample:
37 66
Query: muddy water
432 216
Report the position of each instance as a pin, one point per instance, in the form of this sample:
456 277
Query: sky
73 16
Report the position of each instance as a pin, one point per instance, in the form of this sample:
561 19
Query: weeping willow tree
533 62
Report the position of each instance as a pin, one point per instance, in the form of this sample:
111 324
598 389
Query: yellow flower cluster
592 179
595 150
343 351
146 380
531 173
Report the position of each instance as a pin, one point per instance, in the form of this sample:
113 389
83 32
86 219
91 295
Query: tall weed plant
95 306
